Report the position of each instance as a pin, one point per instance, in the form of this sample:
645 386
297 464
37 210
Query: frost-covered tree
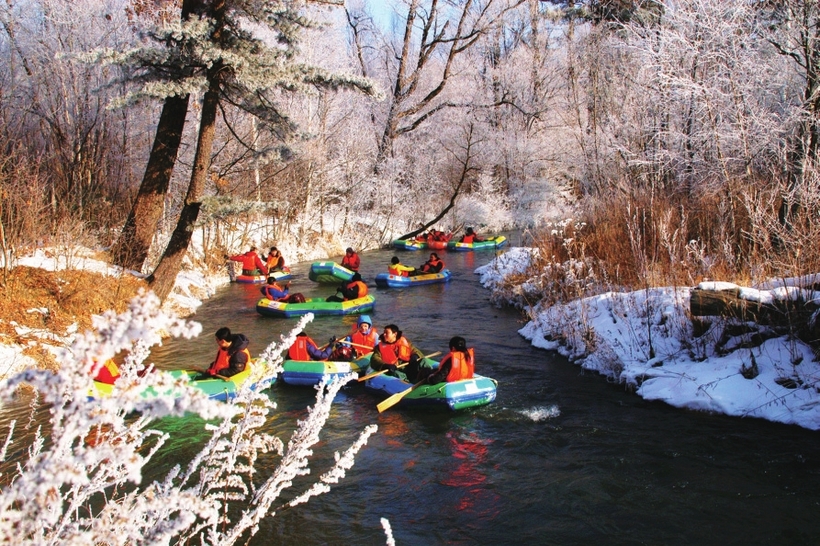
78 478
240 53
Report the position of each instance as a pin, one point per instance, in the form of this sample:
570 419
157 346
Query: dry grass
54 300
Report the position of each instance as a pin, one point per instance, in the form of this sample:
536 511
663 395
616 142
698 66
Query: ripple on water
541 413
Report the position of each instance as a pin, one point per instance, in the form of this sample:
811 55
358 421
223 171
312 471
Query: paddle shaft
374 374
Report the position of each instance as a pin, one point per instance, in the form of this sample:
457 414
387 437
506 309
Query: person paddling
394 350
304 349
363 336
353 289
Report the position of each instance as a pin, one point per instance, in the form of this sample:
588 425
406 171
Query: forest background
645 143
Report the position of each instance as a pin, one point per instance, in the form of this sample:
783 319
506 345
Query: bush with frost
78 478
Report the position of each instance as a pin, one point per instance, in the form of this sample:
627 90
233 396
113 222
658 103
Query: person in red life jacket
457 365
351 260
398 269
275 261
470 236
364 335
433 265
351 290
304 348
251 263
394 350
232 356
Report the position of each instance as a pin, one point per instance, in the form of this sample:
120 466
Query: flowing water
561 457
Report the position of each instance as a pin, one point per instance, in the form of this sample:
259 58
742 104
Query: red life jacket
468 238
391 353
299 349
462 366
361 339
351 262
108 373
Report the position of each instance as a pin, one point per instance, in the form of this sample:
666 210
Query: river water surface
561 457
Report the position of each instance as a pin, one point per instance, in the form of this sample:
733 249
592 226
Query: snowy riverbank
645 340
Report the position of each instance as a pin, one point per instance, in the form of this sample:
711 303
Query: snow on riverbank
645 339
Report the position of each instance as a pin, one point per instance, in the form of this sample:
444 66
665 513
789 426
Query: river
561 457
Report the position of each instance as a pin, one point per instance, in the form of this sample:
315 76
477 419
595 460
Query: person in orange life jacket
433 265
251 263
396 268
393 350
232 355
304 349
470 236
275 291
355 288
351 260
457 365
275 261
364 335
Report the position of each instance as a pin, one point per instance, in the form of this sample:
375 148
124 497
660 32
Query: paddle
374 374
365 347
396 398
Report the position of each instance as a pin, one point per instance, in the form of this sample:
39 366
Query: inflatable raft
329 273
459 395
410 244
488 244
386 280
309 373
317 306
283 275
215 388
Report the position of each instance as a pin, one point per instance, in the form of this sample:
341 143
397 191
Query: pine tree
242 53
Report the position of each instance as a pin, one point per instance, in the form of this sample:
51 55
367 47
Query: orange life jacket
362 288
223 360
462 366
391 353
361 339
299 349
275 262
468 238
433 264
351 262
269 289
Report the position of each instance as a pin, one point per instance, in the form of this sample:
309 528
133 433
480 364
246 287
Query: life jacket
468 238
391 353
299 349
362 288
351 262
108 373
275 262
433 265
270 291
462 366
361 339
220 362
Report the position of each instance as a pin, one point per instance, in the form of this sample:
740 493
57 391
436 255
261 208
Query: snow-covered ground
645 339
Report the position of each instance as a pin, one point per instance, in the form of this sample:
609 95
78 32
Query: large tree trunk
131 249
164 276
